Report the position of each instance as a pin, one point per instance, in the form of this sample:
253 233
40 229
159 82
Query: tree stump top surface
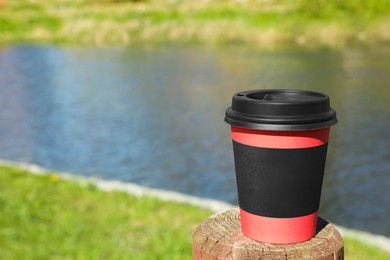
220 237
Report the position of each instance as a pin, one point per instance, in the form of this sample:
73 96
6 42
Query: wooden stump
220 237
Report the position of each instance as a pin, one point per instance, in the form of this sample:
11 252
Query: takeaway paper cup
280 140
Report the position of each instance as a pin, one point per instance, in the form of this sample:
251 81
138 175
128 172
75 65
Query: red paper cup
280 140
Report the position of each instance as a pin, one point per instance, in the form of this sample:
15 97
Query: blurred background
136 90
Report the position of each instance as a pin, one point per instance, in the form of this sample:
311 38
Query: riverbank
227 22
63 215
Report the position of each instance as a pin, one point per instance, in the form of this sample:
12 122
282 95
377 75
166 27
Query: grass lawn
216 22
45 217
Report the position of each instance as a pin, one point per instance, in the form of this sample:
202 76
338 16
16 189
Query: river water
155 117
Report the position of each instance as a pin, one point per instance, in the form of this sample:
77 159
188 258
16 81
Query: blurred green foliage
330 8
222 22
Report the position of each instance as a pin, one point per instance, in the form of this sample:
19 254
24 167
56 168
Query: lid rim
281 127
283 119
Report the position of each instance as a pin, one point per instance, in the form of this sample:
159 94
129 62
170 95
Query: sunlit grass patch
46 217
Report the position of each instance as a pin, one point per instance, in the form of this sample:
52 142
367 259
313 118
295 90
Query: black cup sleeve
279 183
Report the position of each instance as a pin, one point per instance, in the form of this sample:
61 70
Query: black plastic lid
281 110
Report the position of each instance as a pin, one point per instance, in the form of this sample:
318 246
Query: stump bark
220 237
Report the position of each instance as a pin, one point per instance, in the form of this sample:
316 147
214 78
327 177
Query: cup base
278 230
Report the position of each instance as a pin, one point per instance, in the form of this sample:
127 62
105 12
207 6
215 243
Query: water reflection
156 117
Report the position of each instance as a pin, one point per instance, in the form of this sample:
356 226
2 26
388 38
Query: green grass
45 217
42 217
355 249
217 22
